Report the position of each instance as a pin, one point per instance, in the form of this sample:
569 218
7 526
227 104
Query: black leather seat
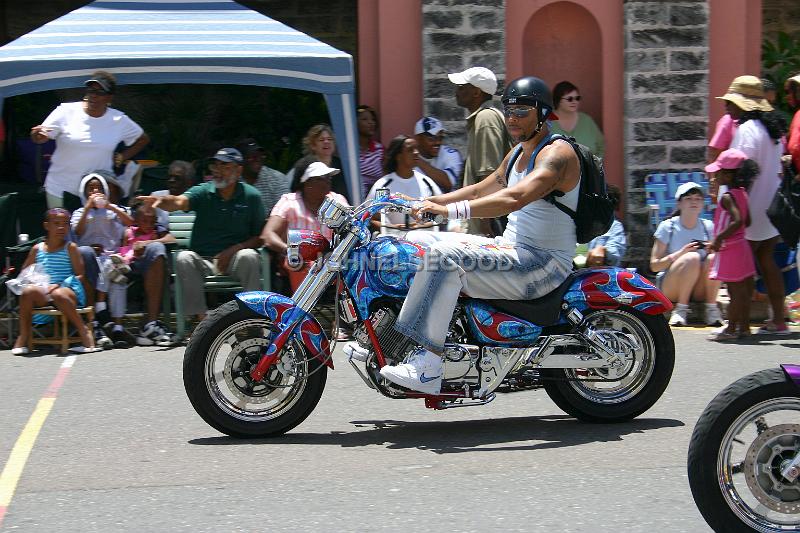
542 311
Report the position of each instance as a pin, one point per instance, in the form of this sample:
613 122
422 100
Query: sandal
723 336
84 349
23 350
771 329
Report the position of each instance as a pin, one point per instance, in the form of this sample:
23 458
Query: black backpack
595 210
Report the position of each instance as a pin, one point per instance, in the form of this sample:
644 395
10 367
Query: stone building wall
666 102
456 35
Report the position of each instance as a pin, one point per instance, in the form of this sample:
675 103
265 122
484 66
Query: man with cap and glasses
487 138
438 161
86 135
270 183
226 231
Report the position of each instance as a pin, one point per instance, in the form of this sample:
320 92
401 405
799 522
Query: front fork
305 297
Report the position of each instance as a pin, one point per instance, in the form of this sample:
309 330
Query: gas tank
305 246
383 267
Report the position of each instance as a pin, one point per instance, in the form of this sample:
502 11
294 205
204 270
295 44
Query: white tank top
542 225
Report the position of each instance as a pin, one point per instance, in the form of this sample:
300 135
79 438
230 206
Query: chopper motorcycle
599 344
744 455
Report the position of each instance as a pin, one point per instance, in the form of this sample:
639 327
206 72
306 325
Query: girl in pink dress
733 261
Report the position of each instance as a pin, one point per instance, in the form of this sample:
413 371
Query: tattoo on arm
500 178
557 164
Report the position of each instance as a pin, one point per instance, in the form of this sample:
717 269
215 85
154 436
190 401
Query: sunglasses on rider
572 98
518 112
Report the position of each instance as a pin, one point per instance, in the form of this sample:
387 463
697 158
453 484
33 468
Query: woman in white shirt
86 135
759 136
402 177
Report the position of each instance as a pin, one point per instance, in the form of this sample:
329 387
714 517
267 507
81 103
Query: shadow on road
499 434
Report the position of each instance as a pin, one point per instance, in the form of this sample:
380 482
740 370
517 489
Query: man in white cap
226 231
439 162
487 138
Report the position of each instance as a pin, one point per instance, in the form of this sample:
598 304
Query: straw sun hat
747 93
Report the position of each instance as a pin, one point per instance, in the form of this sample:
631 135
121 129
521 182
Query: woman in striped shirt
62 262
370 156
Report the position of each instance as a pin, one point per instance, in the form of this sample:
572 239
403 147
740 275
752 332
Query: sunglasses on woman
572 98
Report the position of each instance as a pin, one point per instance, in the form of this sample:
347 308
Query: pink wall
609 19
735 48
390 63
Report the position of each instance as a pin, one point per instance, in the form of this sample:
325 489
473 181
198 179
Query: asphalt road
123 450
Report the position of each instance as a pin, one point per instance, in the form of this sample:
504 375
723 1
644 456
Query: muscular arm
556 169
492 183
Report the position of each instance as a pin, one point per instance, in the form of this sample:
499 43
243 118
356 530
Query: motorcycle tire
219 403
705 447
594 402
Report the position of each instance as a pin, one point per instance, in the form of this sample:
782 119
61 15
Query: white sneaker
422 371
713 316
679 315
354 350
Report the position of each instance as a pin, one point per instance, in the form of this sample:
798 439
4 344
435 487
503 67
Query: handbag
784 210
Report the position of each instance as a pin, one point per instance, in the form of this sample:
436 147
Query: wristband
458 210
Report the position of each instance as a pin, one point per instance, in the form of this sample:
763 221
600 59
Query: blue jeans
476 266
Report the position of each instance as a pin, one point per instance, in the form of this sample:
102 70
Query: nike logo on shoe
424 379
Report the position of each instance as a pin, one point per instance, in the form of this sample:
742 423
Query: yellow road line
22 449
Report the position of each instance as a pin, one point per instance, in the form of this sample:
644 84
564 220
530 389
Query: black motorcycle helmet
532 91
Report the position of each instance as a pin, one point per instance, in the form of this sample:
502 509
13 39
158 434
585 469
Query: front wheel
625 392
216 376
743 440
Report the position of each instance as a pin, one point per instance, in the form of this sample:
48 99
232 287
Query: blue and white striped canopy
184 41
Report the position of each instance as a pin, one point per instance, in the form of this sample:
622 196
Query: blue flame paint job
490 326
283 312
383 267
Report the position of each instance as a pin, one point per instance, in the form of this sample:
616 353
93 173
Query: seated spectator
319 142
402 177
370 155
270 183
229 218
63 264
143 251
99 226
440 162
298 209
180 176
609 248
679 256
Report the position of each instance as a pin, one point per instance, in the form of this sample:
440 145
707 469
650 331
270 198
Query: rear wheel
216 376
627 391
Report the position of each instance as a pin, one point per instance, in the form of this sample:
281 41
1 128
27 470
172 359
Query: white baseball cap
430 125
683 188
481 77
317 169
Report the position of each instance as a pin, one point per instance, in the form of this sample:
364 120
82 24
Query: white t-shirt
417 186
449 160
672 233
83 144
752 139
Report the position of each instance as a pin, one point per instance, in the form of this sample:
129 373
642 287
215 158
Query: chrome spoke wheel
629 375
752 454
231 357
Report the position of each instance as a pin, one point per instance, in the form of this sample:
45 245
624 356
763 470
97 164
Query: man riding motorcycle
531 258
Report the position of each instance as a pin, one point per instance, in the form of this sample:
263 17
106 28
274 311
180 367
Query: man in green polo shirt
226 231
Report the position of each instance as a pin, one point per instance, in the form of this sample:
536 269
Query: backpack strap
513 161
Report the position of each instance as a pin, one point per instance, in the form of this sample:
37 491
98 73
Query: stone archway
562 41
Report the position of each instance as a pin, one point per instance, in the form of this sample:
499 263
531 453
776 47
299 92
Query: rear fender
793 373
611 287
283 312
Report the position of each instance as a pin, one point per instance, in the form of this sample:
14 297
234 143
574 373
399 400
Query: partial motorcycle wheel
744 438
216 367
633 387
